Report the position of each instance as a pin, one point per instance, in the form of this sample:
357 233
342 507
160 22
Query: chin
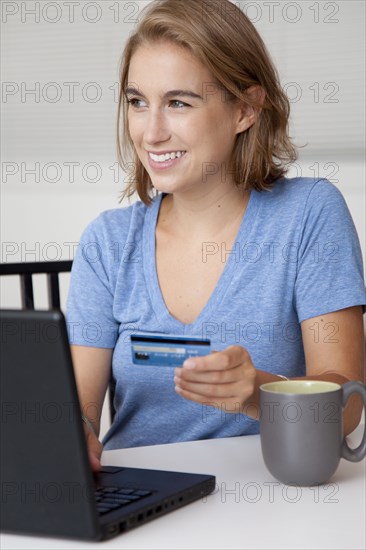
169 187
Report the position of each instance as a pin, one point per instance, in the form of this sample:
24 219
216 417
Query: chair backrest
25 271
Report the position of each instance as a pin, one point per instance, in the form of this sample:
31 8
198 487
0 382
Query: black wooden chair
25 271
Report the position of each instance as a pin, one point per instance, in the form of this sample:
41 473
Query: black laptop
47 486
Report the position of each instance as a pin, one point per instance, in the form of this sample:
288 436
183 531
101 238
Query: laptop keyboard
111 498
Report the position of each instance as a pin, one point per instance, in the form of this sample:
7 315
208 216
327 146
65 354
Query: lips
164 157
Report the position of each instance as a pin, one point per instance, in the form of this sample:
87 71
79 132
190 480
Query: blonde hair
222 37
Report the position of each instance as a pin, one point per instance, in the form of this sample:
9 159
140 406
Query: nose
157 127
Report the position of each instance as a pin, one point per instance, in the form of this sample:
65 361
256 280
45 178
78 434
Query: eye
135 102
176 103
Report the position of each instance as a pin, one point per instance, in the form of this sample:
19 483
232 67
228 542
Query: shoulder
305 189
117 223
119 219
301 197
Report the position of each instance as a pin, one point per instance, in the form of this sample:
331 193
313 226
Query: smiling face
182 126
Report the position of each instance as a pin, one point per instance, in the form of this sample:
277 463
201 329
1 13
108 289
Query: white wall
318 48
58 149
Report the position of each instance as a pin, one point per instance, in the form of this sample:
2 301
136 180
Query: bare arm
334 351
92 367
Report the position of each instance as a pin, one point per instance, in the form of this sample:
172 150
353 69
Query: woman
221 244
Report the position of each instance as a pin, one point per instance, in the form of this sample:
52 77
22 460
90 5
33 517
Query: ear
248 113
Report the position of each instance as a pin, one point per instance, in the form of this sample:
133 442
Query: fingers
94 463
208 390
211 377
217 384
95 449
229 404
223 367
218 360
226 378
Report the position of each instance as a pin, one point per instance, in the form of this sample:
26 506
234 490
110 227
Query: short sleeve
329 270
89 311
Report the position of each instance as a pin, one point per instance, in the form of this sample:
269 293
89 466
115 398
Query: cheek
217 129
217 140
135 128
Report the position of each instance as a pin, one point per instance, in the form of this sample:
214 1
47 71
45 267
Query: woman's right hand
95 448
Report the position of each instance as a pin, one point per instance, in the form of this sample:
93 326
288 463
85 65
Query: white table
249 509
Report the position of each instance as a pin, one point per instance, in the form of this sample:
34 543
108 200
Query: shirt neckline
164 318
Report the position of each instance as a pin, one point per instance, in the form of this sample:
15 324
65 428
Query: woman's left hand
223 379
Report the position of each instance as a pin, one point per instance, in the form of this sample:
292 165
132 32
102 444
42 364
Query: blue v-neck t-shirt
296 256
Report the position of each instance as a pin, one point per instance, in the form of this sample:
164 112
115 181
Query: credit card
166 351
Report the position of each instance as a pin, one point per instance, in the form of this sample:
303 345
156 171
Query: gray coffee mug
301 429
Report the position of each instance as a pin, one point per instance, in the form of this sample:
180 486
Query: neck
207 215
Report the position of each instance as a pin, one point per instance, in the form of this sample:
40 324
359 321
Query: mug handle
354 455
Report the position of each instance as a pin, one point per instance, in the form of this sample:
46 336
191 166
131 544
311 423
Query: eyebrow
172 93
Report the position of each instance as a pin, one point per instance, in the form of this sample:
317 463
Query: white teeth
167 156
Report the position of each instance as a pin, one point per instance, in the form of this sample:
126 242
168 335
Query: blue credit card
166 351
